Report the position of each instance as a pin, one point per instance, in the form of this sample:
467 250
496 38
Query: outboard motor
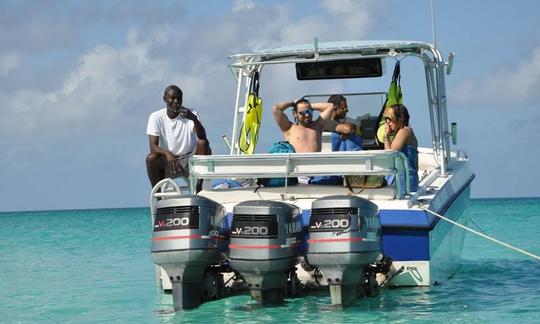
189 235
344 237
266 237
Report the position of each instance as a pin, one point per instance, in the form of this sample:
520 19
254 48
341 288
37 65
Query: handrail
165 188
375 162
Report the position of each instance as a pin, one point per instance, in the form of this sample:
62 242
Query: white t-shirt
177 135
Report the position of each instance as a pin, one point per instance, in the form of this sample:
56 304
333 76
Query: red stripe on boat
176 237
329 240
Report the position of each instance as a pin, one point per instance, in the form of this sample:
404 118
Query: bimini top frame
434 65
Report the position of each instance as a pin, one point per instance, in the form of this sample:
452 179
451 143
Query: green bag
365 181
393 96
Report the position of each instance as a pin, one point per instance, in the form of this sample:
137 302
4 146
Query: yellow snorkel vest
249 133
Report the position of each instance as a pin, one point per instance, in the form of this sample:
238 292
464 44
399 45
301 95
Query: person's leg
155 167
336 142
353 143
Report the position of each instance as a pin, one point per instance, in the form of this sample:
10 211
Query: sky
78 80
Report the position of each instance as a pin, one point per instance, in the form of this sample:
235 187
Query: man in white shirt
175 134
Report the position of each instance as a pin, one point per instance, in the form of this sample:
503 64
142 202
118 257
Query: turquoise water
95 266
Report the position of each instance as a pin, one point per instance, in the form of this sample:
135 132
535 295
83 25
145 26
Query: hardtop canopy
318 50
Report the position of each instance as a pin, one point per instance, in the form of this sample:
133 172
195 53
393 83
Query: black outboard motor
266 237
344 237
189 235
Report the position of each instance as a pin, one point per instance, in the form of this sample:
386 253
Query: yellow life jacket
249 133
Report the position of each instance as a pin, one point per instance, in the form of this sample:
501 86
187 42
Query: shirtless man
305 134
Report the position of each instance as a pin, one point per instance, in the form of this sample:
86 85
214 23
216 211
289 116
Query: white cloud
339 20
353 17
252 25
8 63
115 81
91 96
241 5
303 31
503 85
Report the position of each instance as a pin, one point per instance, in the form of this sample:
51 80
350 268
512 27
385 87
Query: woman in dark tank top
399 136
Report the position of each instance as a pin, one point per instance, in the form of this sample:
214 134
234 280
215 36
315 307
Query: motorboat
388 228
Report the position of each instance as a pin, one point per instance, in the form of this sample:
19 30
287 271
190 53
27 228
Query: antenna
433 23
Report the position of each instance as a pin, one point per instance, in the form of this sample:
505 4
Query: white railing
301 164
166 188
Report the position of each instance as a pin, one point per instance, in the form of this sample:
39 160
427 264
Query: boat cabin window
364 110
342 69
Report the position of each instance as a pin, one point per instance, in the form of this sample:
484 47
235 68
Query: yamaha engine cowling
189 235
266 237
344 237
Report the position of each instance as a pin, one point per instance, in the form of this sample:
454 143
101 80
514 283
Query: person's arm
399 140
326 109
197 125
346 128
172 164
278 111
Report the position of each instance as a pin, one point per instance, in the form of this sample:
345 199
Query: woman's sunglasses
388 119
306 112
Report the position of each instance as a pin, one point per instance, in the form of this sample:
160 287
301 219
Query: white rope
483 235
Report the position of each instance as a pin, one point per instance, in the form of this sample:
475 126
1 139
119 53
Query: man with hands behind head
305 134
338 123
344 137
175 134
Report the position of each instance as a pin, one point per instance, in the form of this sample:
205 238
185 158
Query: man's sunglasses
306 112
